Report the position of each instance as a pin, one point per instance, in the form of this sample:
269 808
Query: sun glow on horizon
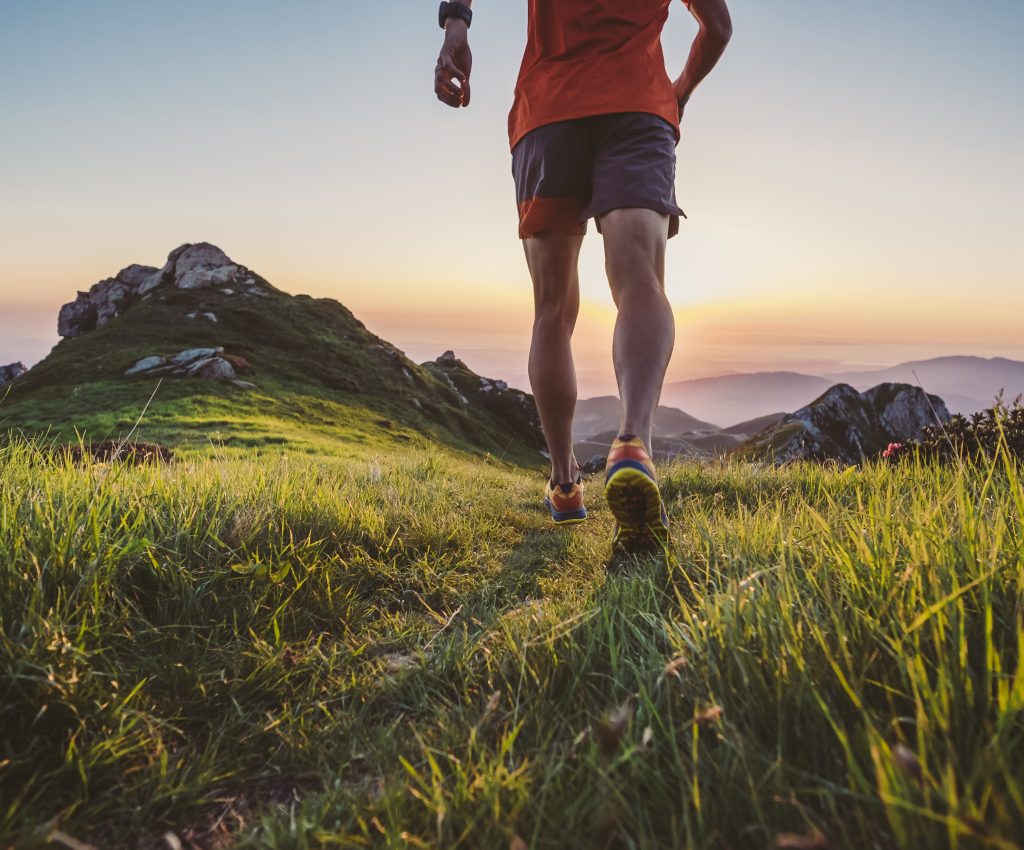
840 210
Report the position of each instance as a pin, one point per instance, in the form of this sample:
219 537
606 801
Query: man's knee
556 313
634 249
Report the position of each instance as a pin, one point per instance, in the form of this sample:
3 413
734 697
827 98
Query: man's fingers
447 91
465 91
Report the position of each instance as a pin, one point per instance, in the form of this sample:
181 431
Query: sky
852 173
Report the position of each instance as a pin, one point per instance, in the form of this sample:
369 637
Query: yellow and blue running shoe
631 489
565 501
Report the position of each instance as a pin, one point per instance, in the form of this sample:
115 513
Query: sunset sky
853 175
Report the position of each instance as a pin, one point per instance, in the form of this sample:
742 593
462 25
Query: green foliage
399 650
983 435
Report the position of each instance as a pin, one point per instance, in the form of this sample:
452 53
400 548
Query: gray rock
214 369
243 384
11 372
147 364
594 464
152 282
134 275
102 302
902 412
194 367
190 355
200 266
500 386
76 317
191 363
210 317
108 297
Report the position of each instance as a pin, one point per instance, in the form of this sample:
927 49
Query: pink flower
892 449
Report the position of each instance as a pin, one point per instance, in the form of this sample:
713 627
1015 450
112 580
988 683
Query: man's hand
708 46
454 64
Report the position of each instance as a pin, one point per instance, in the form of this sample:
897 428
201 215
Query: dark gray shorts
571 171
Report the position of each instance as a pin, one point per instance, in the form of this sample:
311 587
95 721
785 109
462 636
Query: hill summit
243 363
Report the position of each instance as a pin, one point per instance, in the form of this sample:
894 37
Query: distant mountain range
966 384
601 413
755 401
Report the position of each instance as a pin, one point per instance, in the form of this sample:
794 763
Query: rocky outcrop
847 426
210 363
199 266
102 301
11 372
513 408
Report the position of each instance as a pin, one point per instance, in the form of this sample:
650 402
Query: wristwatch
454 10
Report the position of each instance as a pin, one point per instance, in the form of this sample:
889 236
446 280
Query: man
593 130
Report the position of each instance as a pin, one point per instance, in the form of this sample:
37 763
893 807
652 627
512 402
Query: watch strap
454 10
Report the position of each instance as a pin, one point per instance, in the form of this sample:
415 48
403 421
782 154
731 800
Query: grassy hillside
322 381
400 651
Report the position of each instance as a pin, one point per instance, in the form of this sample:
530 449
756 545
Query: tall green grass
400 651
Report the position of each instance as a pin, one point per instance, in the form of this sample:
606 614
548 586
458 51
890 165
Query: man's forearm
708 47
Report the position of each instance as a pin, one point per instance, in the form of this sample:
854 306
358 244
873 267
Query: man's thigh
551 167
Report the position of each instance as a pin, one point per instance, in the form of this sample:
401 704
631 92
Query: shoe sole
566 517
635 501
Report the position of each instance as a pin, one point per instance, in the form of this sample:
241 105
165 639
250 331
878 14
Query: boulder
449 359
210 363
191 355
146 364
848 427
76 317
594 464
11 372
200 266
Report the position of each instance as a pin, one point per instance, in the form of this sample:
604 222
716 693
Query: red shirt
592 57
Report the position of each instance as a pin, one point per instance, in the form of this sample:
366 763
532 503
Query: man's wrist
682 93
455 25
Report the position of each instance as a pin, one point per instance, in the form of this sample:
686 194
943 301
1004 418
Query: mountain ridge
312 373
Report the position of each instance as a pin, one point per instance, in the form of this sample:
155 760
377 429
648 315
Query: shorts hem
674 213
561 215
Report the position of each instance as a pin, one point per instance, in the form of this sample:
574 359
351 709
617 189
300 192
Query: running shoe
565 501
631 489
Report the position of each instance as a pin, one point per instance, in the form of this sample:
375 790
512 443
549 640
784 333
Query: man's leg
552 258
634 248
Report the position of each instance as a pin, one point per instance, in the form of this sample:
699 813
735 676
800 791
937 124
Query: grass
398 650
